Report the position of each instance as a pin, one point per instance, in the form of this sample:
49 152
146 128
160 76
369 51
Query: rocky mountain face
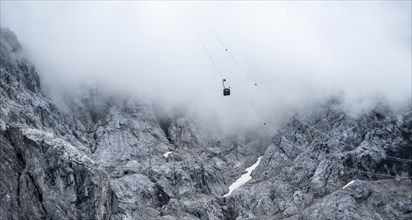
108 157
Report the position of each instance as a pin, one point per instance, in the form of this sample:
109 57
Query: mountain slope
110 157
302 173
43 174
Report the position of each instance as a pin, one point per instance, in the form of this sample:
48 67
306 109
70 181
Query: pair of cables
267 94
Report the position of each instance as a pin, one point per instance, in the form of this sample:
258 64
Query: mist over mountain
301 53
114 110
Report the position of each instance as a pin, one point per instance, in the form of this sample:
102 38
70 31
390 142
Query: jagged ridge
103 159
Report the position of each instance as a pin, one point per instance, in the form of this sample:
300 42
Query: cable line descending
234 59
323 134
226 91
265 92
283 108
210 57
261 88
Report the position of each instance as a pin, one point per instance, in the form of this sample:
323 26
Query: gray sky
300 52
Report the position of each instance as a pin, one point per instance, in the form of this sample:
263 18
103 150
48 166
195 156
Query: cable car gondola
226 91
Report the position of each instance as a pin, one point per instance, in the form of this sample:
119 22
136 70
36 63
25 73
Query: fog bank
299 52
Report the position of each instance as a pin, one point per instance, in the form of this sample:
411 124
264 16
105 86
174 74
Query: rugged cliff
44 173
109 157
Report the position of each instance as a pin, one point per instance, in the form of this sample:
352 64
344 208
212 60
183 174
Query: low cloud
299 52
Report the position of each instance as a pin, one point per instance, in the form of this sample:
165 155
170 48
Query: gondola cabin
226 92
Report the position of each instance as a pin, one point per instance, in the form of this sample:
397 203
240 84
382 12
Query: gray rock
100 155
45 177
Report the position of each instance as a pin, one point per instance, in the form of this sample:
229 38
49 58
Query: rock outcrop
302 173
111 157
44 173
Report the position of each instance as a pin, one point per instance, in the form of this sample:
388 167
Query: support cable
278 103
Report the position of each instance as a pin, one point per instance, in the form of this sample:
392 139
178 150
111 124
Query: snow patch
350 183
243 179
166 155
2 125
70 152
